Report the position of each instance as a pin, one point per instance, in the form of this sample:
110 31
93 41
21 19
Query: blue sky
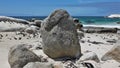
45 7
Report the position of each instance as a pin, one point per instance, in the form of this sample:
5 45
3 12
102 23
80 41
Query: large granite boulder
114 53
59 35
20 55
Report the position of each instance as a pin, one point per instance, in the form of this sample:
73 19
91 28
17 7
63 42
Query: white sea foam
114 16
105 26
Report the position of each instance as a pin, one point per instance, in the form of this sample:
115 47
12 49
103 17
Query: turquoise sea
85 20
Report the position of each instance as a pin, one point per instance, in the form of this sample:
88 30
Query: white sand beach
7 41
100 49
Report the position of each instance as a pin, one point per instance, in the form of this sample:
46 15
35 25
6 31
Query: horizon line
48 15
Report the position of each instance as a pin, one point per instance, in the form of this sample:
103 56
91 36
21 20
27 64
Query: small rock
95 42
89 64
15 38
82 41
20 38
89 44
89 56
111 41
38 23
36 46
1 35
70 64
32 30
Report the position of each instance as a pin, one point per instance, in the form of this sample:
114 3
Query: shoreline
7 26
102 26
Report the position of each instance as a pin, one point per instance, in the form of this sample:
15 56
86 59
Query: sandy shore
100 47
10 39
91 42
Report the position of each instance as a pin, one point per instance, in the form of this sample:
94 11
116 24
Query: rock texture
59 36
44 65
114 53
20 55
38 65
66 64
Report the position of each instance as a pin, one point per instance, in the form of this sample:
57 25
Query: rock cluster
78 24
32 30
59 42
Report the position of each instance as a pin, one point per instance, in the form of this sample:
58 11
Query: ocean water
85 20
